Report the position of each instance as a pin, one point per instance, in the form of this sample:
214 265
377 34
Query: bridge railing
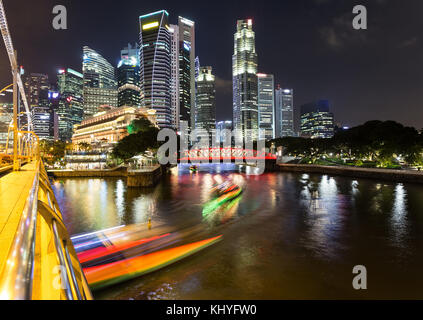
42 263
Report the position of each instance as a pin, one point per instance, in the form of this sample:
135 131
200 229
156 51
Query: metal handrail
63 265
16 280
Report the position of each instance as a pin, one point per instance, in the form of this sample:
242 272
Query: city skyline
318 54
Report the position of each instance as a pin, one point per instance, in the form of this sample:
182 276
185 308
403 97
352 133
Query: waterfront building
206 103
100 87
105 129
187 70
70 111
155 65
266 105
284 112
244 72
316 120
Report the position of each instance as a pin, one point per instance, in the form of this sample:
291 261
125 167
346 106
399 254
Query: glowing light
150 25
116 272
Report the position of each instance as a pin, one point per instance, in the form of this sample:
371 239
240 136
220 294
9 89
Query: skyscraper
99 82
33 83
70 111
266 105
316 120
128 76
155 65
187 70
284 112
174 83
43 116
206 104
244 71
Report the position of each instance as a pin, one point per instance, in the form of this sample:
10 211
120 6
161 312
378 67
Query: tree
136 143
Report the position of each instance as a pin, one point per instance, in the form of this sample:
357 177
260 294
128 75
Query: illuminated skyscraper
33 84
206 104
174 83
284 112
100 87
128 74
187 70
266 105
316 120
155 65
244 71
70 111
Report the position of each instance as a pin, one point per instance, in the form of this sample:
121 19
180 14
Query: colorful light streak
105 251
105 275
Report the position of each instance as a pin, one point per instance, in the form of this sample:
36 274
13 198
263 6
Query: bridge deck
14 191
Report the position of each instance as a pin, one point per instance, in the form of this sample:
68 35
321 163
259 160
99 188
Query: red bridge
210 154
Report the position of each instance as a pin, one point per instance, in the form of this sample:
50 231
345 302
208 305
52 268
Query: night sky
309 45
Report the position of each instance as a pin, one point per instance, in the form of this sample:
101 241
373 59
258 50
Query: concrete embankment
381 174
147 177
119 172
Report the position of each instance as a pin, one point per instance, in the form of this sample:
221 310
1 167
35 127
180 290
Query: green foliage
143 138
375 143
139 125
53 151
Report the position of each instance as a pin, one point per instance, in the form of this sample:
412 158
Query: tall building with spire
155 65
100 87
245 86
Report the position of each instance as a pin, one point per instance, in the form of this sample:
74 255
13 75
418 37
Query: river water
288 236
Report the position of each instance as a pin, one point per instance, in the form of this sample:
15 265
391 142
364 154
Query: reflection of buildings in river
399 222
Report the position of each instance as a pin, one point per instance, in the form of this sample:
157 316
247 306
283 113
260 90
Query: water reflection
299 232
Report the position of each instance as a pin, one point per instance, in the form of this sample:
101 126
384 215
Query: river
288 236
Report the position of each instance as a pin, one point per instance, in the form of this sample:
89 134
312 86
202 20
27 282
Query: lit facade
70 110
266 105
244 72
128 74
100 87
316 120
155 65
174 85
105 129
43 116
187 69
206 103
33 83
284 112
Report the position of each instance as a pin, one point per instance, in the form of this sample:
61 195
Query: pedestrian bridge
37 258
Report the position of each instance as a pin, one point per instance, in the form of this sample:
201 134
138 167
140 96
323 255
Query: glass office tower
100 87
266 105
155 65
244 71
